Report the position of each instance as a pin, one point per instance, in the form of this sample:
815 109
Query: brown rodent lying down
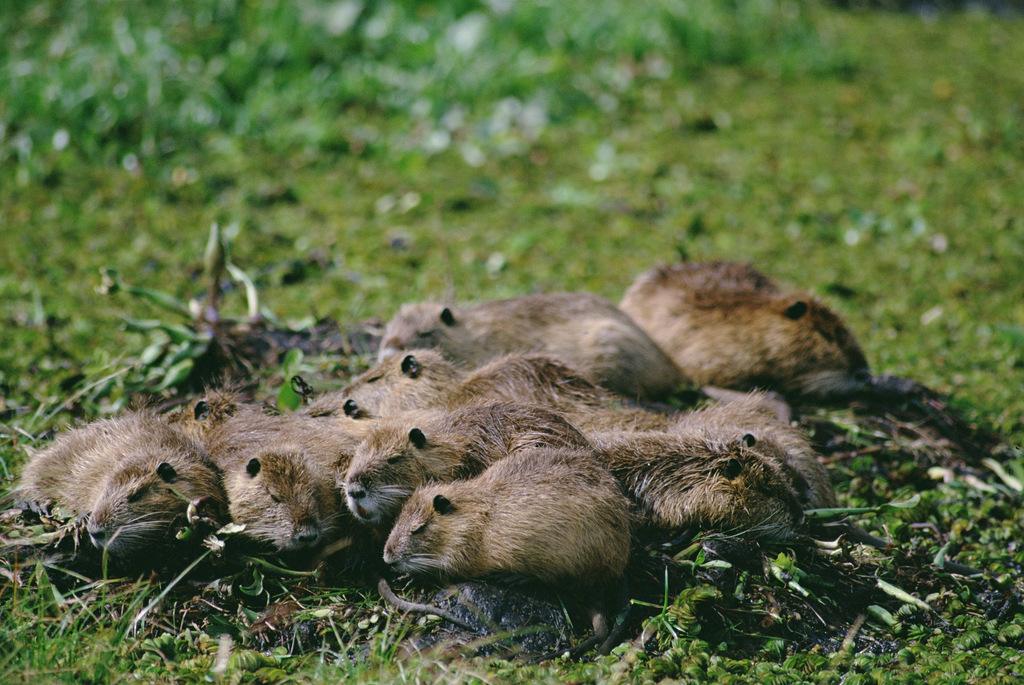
132 477
726 324
423 379
281 472
581 329
554 515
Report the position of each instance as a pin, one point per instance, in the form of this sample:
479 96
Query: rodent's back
544 381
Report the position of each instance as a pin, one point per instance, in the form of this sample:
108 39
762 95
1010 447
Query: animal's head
831 361
432 534
746 490
283 498
398 380
422 325
147 495
392 461
208 412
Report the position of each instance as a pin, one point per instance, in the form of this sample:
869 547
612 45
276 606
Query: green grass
874 158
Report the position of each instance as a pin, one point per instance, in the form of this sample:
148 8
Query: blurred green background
362 154
371 153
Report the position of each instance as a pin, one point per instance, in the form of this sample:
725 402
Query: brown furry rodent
280 474
404 451
411 381
584 330
132 476
698 478
213 408
728 325
423 379
774 439
556 516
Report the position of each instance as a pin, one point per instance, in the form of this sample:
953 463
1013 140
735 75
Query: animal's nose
307 536
99 536
355 491
389 558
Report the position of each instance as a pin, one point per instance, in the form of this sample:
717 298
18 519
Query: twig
843 456
851 634
415 607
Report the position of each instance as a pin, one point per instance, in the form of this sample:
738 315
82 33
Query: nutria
284 498
132 477
414 380
404 451
210 410
423 379
280 474
553 515
584 330
751 415
701 479
728 325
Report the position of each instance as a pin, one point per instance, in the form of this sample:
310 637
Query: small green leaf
839 512
160 299
291 362
1011 481
254 588
152 354
175 375
287 399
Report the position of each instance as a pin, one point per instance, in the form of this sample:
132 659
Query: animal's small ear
733 469
201 410
795 310
447 318
253 467
749 440
410 367
443 505
350 408
166 472
417 438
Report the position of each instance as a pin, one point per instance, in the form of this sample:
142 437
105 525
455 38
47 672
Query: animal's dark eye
350 408
275 498
395 458
137 495
419 528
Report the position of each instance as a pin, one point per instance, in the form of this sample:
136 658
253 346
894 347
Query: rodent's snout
355 490
98 535
306 536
